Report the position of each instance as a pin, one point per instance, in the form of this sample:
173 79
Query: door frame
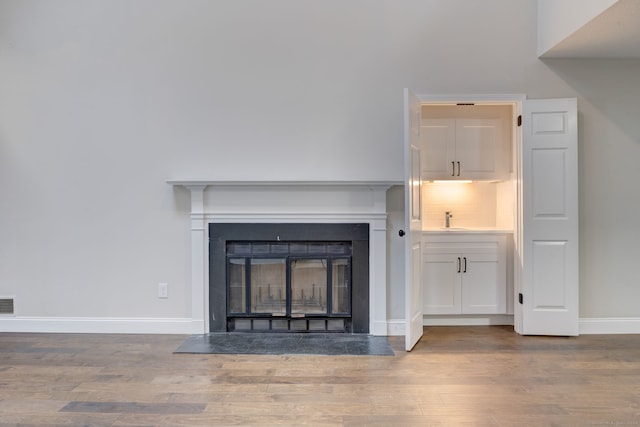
516 100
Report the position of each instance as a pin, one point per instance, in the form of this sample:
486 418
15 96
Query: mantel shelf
282 184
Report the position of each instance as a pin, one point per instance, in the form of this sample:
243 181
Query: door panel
441 284
477 145
550 280
437 137
549 166
549 270
482 290
413 221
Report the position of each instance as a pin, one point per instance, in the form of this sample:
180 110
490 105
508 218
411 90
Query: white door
413 220
548 298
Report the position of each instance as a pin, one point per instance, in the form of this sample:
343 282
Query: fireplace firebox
289 277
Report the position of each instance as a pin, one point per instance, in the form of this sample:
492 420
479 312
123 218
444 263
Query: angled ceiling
613 34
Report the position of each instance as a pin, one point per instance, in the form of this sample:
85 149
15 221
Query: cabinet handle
453 168
458 264
465 265
458 168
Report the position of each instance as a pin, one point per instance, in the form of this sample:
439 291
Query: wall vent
6 306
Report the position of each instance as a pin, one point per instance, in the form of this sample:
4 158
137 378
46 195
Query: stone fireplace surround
319 202
354 236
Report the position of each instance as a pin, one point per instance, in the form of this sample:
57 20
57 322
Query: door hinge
520 298
520 120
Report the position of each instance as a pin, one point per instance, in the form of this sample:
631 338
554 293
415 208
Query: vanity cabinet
464 273
471 149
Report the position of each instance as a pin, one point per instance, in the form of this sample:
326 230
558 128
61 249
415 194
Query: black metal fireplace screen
288 286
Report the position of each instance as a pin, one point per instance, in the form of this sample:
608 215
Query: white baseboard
395 327
468 320
378 328
610 325
101 325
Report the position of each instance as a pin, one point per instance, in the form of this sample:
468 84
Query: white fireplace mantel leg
378 267
199 299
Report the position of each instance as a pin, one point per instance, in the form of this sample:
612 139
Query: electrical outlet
163 290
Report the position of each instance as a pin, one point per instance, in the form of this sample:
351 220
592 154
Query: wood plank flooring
472 376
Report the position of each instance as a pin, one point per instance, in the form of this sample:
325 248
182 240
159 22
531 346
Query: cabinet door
483 285
437 140
478 149
441 284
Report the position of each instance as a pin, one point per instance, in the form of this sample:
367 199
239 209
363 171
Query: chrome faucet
447 219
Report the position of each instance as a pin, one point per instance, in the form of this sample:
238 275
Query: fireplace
307 205
289 277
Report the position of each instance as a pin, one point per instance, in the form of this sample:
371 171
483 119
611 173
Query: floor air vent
6 306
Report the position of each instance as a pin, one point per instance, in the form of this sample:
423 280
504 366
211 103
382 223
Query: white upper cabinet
463 148
438 144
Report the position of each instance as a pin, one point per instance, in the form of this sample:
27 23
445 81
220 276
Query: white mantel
215 201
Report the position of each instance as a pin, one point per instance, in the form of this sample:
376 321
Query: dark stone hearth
307 343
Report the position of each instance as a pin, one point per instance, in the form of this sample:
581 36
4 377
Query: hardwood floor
476 376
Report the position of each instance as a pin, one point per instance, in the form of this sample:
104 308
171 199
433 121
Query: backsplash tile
473 205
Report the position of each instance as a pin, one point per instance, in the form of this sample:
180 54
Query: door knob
401 233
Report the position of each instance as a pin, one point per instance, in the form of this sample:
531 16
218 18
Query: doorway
543 179
469 192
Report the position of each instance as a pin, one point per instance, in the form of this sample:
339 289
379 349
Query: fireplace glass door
280 286
308 286
268 286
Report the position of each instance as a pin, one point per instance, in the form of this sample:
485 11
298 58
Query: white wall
558 19
609 155
102 101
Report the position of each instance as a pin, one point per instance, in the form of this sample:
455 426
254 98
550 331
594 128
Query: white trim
469 320
378 327
610 325
252 184
100 325
607 326
238 217
499 98
396 327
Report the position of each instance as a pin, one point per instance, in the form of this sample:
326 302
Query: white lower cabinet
464 273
